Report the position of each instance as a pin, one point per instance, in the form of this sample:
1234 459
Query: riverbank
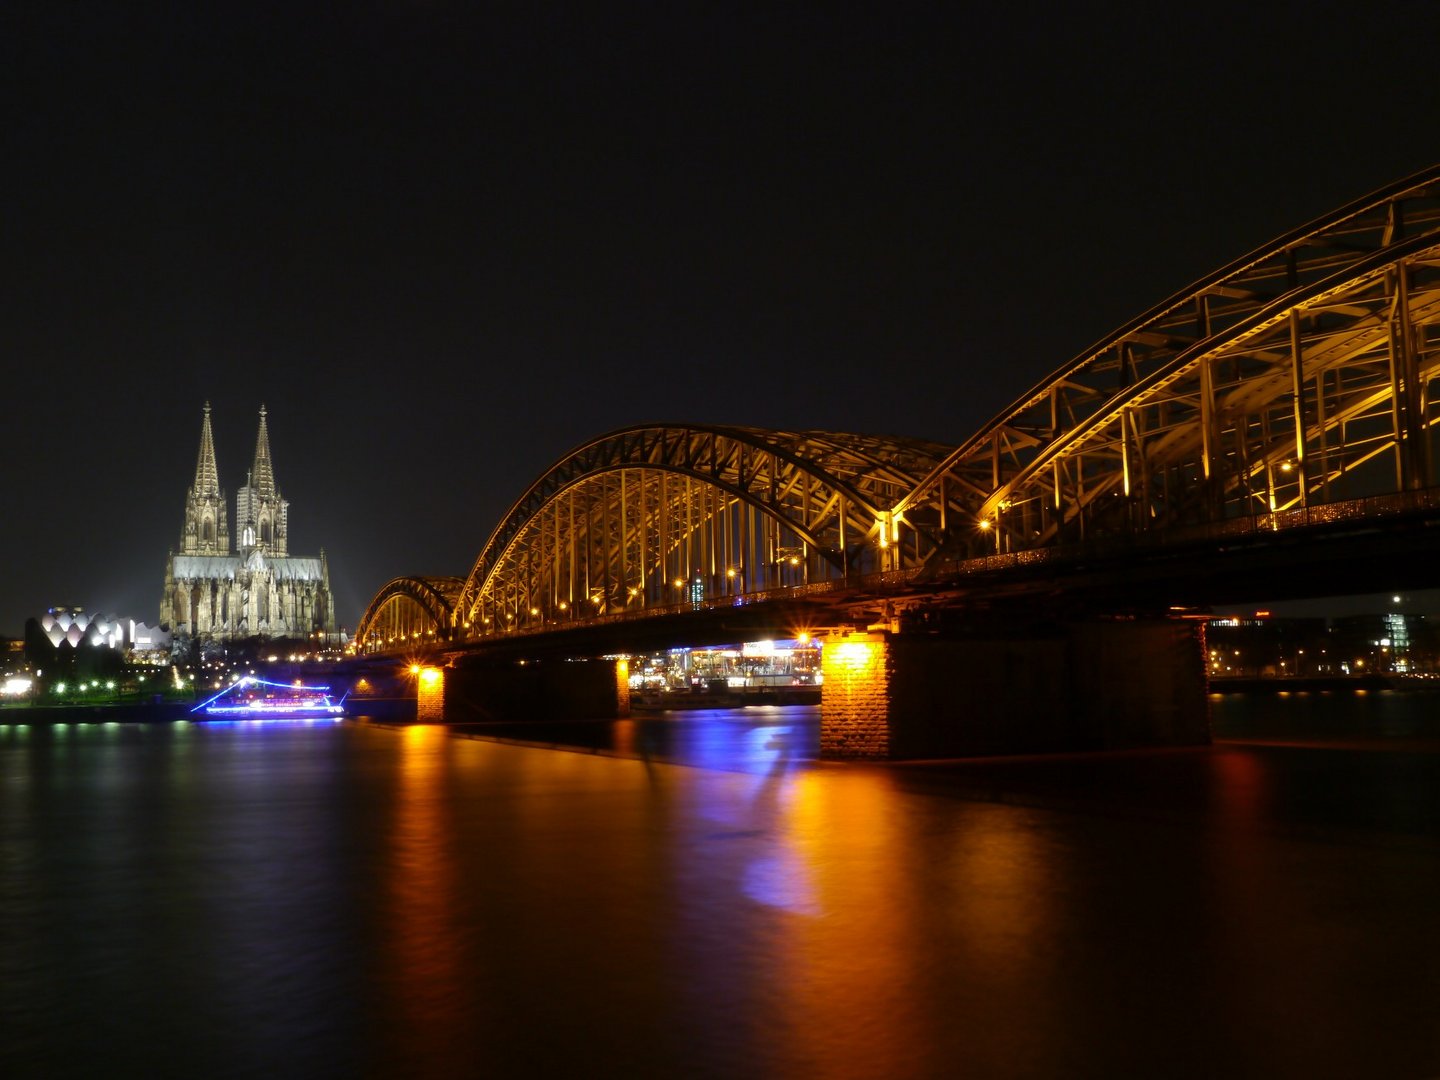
122 712
1321 683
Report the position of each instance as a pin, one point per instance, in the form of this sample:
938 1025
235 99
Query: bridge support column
538 691
430 695
1088 685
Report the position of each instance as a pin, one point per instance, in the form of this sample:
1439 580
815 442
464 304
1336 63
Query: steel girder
1299 375
407 609
663 515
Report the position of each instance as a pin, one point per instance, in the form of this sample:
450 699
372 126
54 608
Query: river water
693 895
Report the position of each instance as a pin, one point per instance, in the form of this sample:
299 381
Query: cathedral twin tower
259 589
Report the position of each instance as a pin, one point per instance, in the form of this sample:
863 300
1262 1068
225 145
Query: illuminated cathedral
259 588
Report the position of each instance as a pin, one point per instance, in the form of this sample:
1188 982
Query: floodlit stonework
259 588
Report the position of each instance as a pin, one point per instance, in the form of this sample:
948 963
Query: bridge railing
1369 508
683 607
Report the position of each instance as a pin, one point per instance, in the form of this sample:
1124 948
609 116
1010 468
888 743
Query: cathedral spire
205 531
207 475
261 514
262 476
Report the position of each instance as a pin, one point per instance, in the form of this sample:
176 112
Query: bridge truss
659 517
1298 378
410 610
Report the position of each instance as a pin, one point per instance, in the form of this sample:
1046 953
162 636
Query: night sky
446 243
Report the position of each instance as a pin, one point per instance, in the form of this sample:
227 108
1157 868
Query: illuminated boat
258 699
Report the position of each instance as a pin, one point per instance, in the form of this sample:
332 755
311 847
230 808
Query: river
693 895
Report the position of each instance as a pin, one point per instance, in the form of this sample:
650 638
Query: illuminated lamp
855 653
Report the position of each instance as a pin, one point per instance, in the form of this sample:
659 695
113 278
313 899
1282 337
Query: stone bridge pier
475 690
1083 685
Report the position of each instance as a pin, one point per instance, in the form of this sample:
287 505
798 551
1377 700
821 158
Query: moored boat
252 698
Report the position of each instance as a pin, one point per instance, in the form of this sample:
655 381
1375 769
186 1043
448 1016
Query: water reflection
427 997
359 899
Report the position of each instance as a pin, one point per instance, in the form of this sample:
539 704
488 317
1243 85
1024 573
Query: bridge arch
659 516
1297 380
409 611
1300 375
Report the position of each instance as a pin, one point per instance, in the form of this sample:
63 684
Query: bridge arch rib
409 610
1302 374
1297 380
655 516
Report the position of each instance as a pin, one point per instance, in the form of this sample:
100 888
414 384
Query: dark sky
444 243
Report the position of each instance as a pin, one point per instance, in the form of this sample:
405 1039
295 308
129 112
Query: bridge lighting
564 606
534 611
730 573
984 524
855 654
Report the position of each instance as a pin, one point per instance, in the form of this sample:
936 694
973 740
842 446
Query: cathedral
259 588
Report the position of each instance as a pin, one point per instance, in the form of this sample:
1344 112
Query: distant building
81 628
259 589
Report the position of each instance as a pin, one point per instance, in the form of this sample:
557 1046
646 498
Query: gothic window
265 531
209 531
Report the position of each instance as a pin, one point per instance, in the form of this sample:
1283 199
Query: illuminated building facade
259 588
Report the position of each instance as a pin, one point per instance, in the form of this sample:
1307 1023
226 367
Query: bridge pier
543 690
1083 685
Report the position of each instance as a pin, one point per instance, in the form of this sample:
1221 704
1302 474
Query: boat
252 698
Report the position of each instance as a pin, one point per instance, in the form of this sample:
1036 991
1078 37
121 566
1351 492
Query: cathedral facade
258 588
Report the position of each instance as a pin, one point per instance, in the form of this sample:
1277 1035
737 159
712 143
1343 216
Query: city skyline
445 250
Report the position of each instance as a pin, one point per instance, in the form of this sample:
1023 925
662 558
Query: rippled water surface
352 899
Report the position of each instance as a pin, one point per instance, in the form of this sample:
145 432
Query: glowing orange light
855 653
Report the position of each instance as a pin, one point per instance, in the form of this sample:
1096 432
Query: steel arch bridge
409 609
672 516
1299 378
1299 375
